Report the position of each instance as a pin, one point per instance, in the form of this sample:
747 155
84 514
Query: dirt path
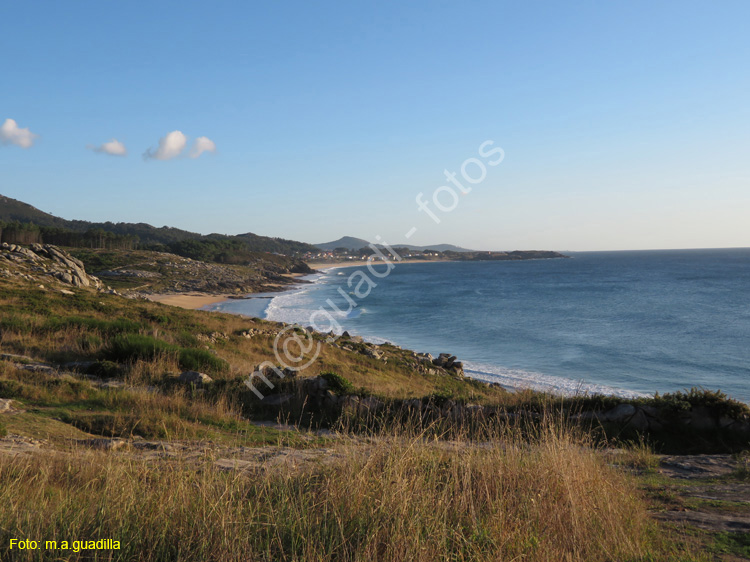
704 498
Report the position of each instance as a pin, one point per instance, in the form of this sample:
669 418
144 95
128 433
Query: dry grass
406 499
639 456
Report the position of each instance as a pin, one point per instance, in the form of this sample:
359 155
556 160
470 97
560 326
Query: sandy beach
194 301
191 301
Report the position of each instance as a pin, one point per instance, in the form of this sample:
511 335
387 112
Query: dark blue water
618 322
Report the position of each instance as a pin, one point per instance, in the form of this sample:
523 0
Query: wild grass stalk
398 496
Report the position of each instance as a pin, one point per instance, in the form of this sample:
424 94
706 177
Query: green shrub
162 319
187 339
11 389
338 384
201 360
718 403
440 397
3 430
131 347
104 370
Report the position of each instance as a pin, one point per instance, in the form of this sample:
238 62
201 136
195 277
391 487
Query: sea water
623 323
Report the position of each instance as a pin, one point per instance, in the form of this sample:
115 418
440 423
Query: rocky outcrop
449 363
5 405
45 262
697 429
164 273
316 393
444 364
651 419
194 377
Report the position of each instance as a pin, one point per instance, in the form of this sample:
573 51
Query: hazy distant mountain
12 210
352 243
348 242
440 248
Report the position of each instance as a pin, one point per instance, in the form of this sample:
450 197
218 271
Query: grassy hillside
115 446
59 328
14 210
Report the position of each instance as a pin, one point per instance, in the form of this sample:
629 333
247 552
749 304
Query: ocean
622 323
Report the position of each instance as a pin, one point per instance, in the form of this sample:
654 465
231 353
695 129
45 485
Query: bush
201 360
104 370
162 319
3 430
338 384
187 339
715 401
11 389
131 347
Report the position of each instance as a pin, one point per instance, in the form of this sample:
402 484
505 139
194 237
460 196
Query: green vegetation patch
737 544
201 360
103 327
338 384
127 348
132 347
15 324
715 401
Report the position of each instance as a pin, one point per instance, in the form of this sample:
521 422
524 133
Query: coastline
199 300
510 379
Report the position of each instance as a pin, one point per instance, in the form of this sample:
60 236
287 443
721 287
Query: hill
142 235
348 242
12 210
440 248
355 244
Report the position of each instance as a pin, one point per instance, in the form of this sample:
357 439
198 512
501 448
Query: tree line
96 238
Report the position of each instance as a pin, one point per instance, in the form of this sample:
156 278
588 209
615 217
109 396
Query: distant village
345 254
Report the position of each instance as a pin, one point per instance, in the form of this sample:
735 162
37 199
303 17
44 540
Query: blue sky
624 124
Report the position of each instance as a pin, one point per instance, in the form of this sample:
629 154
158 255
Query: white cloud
170 147
10 133
113 148
201 145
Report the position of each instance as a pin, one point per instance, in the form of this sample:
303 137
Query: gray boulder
194 377
278 399
620 413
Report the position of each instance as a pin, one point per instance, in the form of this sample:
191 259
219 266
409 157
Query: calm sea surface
616 322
